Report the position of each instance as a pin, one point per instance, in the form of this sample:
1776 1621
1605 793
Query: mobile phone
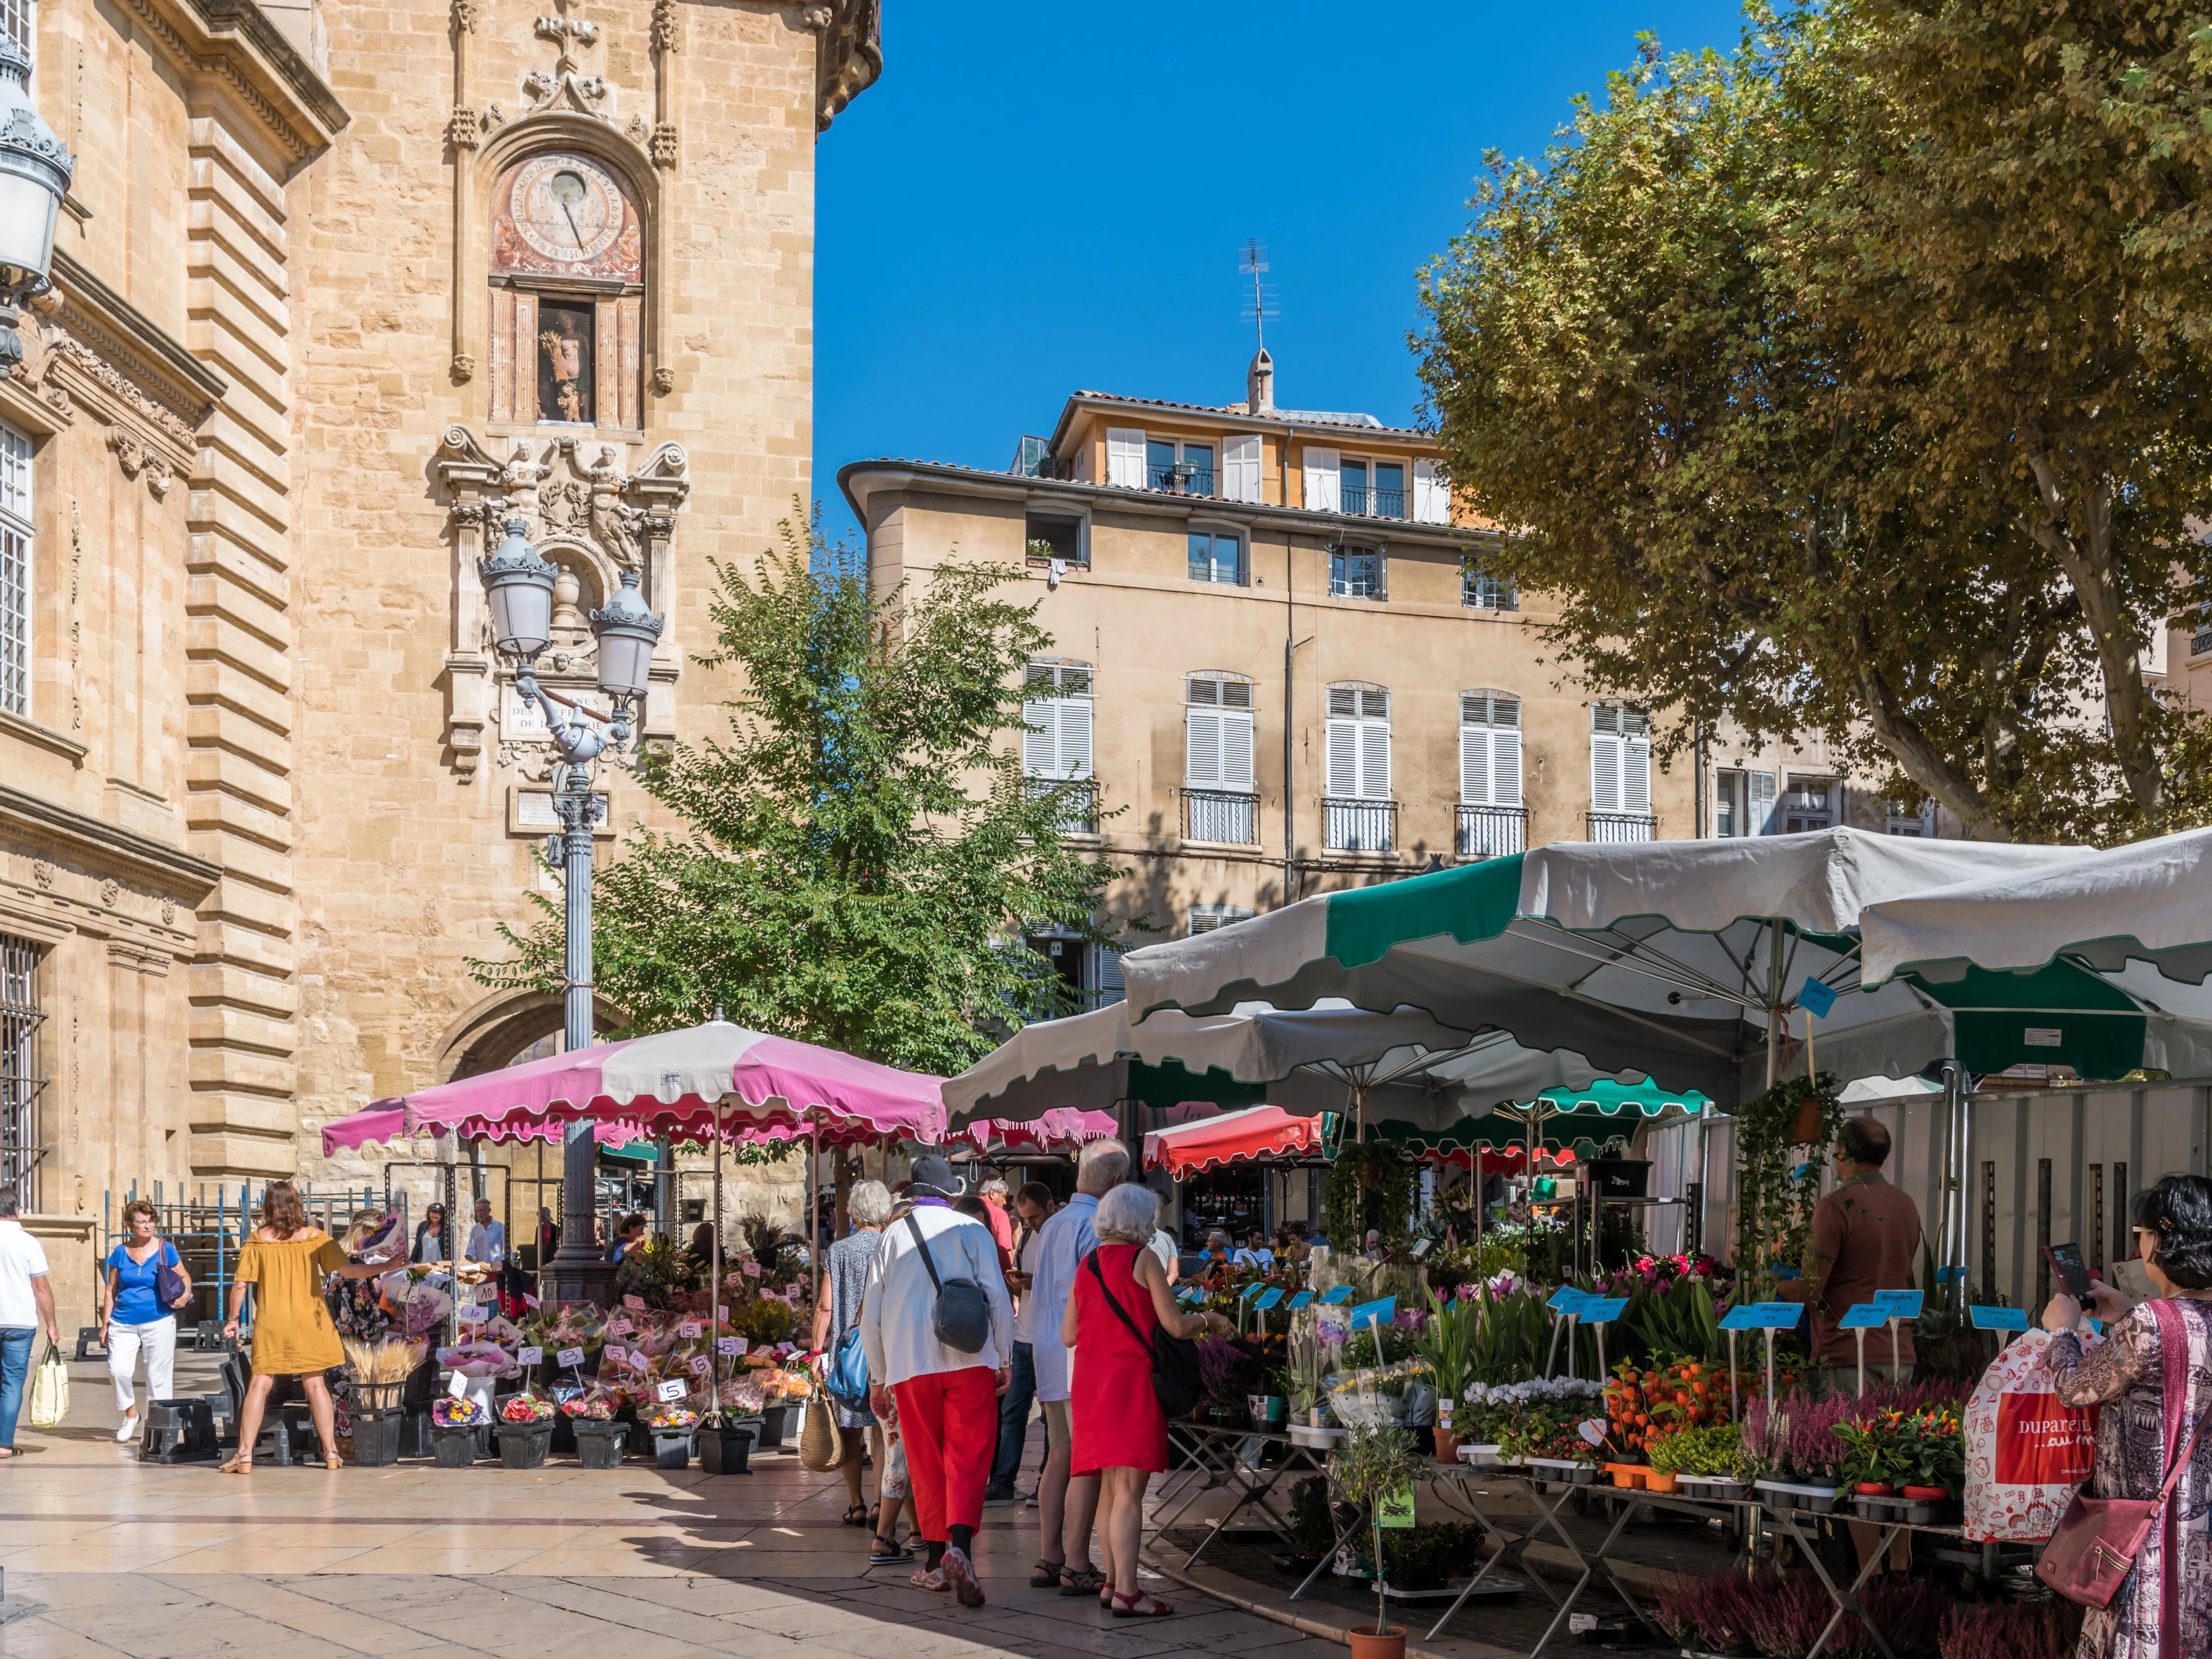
2066 1261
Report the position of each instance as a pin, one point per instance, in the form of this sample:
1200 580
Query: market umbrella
1061 1130
1677 960
386 1121
1208 1143
1586 1122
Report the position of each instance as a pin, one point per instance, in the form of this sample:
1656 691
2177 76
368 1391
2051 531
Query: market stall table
1236 1459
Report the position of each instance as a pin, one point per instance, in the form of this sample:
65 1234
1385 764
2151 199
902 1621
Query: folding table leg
1342 1533
1566 1607
1846 1601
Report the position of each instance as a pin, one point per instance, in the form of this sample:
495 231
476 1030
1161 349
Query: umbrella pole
1478 1204
814 1251
714 1284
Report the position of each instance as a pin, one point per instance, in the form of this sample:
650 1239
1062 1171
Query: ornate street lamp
34 176
518 585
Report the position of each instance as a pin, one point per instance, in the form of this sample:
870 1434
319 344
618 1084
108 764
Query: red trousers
949 1424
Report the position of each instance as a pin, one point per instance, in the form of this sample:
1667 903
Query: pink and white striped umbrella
383 1121
1061 1129
694 1085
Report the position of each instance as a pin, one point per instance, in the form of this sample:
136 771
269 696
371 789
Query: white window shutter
1322 494
1125 456
1075 736
1432 501
1759 820
1375 760
1605 772
1344 758
1636 774
1505 767
1237 752
1240 468
1474 765
1041 743
1106 976
1202 749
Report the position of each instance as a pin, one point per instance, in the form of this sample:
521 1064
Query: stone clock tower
560 262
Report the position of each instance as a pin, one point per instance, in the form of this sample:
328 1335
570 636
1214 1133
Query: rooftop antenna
1254 264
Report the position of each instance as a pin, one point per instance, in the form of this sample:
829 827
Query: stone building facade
336 288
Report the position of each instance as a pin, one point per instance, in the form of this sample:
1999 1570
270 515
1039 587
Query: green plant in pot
1448 1344
1371 1464
1874 1459
1305 1368
1782 1139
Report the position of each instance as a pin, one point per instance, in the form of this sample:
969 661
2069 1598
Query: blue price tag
1383 1309
1300 1300
1998 1319
1248 1292
1764 1316
1566 1299
1189 1295
1600 1311
1816 998
1268 1298
1341 1293
1898 1305
1863 1316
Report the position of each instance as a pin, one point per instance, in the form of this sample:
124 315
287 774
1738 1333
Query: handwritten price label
571 1358
690 1330
674 1389
700 1365
730 1347
752 1270
635 1303
529 1355
619 1328
471 1316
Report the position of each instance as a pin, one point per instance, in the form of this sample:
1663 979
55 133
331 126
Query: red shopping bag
2025 1453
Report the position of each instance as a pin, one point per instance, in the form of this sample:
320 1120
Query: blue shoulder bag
848 1381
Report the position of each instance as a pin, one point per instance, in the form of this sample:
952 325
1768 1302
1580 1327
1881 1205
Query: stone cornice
852 54
235 42
155 362
98 841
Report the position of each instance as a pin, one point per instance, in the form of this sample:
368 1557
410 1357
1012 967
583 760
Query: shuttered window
15 572
1209 918
1056 709
1489 749
1217 733
1359 742
1432 501
1105 985
1322 480
1125 456
1759 791
1240 468
1621 760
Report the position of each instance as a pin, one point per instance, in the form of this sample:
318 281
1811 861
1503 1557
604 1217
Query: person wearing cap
947 1401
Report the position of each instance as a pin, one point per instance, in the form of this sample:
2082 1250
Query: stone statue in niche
565 363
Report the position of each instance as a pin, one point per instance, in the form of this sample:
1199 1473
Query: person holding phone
140 1319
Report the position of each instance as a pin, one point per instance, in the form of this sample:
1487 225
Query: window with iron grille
20 20
1357 572
1480 592
21 1081
14 571
2200 641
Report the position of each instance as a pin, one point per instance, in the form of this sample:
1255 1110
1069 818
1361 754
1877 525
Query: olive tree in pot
1374 1461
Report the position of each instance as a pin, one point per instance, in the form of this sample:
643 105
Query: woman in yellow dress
286 1261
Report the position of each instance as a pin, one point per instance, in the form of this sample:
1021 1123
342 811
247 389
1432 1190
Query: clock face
566 208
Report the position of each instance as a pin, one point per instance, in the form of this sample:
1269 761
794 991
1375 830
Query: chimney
1260 383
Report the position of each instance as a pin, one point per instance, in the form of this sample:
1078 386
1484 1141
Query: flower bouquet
527 1409
452 1412
594 1405
667 1418
745 1395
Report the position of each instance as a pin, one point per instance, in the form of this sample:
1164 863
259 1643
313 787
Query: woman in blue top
136 1318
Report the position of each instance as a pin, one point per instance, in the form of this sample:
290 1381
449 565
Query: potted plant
1448 1344
1372 1464
1777 1187
525 1431
457 1424
599 1434
671 1427
1305 1372
1935 1449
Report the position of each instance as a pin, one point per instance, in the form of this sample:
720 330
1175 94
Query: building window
1492 822
1906 820
23 1083
1357 573
1480 592
1184 469
1103 981
1431 499
1219 802
1372 489
1810 805
1240 468
2200 641
1621 774
1048 536
1743 803
1056 709
19 19
567 295
1208 918
1358 813
15 573
1217 558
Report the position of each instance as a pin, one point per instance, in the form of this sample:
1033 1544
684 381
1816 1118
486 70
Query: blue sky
1039 196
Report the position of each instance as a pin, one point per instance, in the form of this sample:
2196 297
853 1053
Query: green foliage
651 1268
1427 1557
1709 1450
859 858
1372 1462
764 1322
1515 1333
770 1245
1853 384
1449 1342
1678 1323
1379 1169
1779 1180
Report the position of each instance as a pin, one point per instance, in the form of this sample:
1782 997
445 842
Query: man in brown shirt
1866 1237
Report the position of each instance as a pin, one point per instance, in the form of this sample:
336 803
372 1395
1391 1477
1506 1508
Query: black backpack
962 1319
1174 1358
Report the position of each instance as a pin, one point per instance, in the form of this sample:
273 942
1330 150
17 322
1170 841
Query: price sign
1600 1311
471 1316
1998 1319
1383 1310
1341 1293
619 1328
1816 997
1566 1300
638 1362
690 1330
635 1303
1268 1298
702 1366
1863 1316
1898 1305
572 1358
458 1386
529 1355
1395 1507
1248 1292
1766 1317
1592 1430
730 1347
673 1389
752 1270
1300 1300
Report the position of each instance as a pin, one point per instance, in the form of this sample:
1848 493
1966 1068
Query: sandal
1046 1574
332 1459
1140 1605
241 1464
888 1553
857 1515
1082 1581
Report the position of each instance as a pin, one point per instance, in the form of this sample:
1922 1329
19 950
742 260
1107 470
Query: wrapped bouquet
527 1409
451 1412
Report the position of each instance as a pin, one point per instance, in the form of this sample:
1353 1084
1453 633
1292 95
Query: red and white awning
1208 1143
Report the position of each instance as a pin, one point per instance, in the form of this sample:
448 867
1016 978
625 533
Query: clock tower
559 264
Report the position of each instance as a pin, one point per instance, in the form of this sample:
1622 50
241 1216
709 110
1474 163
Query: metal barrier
210 1227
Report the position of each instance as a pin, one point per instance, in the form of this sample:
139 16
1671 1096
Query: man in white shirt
1065 1507
1033 1208
948 1406
27 1302
487 1238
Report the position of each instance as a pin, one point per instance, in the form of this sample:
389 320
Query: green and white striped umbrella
1680 960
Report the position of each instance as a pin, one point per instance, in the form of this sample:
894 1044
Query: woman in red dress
1117 1430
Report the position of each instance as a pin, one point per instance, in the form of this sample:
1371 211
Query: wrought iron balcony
1079 798
1375 503
1350 825
1622 826
1493 832
1221 815
1183 478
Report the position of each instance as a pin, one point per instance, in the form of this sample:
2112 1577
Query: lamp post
35 175
519 585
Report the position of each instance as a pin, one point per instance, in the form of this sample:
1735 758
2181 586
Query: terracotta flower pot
1810 1124
1924 1494
1447 1446
1874 1489
1366 1644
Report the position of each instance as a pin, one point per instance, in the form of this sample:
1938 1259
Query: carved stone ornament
663 148
169 913
43 873
462 131
566 85
464 369
664 381
110 890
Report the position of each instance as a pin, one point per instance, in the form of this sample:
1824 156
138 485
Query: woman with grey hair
868 1206
1121 1434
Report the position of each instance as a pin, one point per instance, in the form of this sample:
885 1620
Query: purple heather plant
1801 1444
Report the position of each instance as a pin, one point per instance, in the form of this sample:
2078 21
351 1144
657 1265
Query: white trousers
159 1339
